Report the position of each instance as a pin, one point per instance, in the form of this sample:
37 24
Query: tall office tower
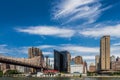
57 60
62 61
105 53
32 52
78 60
97 62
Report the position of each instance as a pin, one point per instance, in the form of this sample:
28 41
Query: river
31 78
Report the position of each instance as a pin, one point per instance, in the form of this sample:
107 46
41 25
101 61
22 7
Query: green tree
1 73
11 72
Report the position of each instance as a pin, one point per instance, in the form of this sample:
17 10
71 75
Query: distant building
115 66
92 68
85 67
76 68
105 53
23 69
112 58
33 52
5 66
97 62
62 61
78 60
118 59
13 67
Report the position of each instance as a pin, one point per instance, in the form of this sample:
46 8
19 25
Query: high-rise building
78 60
105 53
97 64
57 60
33 52
62 61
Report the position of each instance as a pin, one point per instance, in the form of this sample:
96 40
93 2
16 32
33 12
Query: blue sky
73 25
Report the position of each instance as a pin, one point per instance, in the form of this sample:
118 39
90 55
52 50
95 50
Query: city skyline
75 26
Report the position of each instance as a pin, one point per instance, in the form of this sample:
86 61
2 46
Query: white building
76 68
112 58
23 69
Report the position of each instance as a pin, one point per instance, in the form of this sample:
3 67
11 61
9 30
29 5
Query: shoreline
101 76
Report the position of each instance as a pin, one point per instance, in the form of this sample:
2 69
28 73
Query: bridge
35 62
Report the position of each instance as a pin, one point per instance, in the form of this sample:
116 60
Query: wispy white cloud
3 45
88 10
88 57
72 48
3 49
116 44
46 46
48 30
47 53
80 49
113 31
88 53
10 51
115 50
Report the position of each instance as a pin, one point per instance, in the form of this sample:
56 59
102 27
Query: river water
31 78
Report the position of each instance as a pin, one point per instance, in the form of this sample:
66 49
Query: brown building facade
34 52
5 66
78 60
105 53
